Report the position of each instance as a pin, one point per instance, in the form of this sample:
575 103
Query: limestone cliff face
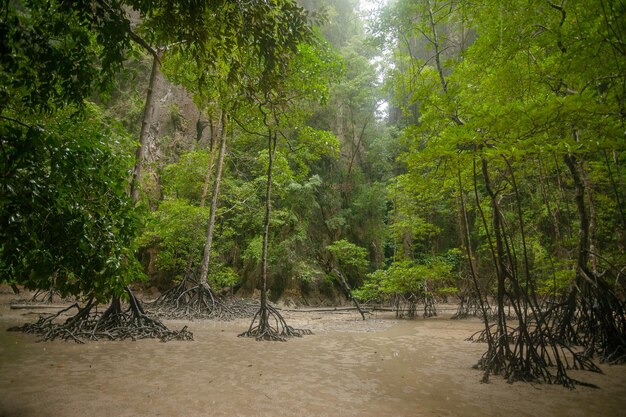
177 127
176 124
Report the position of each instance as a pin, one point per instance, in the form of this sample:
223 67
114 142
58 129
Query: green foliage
66 220
314 144
221 276
230 33
54 53
233 56
431 276
371 290
349 255
252 254
185 179
178 230
351 260
528 91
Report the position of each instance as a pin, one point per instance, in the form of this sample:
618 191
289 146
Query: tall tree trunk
602 321
437 46
271 324
591 201
146 123
206 256
554 220
467 241
499 254
566 330
583 228
553 214
207 182
615 187
271 147
215 132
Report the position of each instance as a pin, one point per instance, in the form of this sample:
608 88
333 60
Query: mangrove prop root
114 323
470 306
407 304
269 324
530 352
196 301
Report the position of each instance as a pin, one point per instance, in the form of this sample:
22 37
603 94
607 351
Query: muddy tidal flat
349 367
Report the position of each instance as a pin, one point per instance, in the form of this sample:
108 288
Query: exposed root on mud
593 316
542 342
545 360
269 324
530 351
43 296
407 304
470 307
115 323
189 300
49 296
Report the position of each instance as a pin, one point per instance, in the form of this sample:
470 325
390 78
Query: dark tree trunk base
430 306
115 323
470 307
530 353
189 301
43 296
269 324
408 304
593 316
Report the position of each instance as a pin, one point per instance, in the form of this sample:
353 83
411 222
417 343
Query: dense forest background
328 185
417 151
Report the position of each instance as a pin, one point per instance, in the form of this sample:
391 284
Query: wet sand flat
349 367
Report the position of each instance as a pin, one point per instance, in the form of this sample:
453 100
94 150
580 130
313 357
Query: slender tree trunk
435 42
602 323
271 147
207 177
530 282
614 186
206 257
554 219
583 228
499 255
470 255
466 237
591 201
271 324
553 214
146 123
563 197
583 254
205 188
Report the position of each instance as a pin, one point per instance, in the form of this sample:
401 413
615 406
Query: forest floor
349 367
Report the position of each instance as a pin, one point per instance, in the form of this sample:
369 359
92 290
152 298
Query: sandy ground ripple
349 367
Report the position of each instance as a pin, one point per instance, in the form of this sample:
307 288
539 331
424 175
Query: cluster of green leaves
57 52
351 259
177 229
66 220
431 276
